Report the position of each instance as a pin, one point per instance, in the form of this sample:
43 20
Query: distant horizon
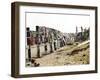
79 30
63 23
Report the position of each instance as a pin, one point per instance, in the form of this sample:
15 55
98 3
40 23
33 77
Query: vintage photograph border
15 69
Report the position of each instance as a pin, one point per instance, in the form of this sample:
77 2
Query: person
55 44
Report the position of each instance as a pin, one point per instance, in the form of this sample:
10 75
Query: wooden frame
15 40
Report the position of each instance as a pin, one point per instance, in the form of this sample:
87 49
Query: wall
5 40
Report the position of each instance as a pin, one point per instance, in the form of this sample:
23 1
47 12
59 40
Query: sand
67 55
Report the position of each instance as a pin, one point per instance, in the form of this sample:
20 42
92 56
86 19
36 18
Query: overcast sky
64 23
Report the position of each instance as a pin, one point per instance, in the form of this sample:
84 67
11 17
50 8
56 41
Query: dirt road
63 56
67 55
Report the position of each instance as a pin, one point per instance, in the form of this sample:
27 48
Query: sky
63 22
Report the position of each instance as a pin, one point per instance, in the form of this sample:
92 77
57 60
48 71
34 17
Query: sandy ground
67 55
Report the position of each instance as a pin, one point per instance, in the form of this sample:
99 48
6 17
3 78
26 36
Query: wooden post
45 47
50 41
38 43
82 33
76 33
29 43
29 53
